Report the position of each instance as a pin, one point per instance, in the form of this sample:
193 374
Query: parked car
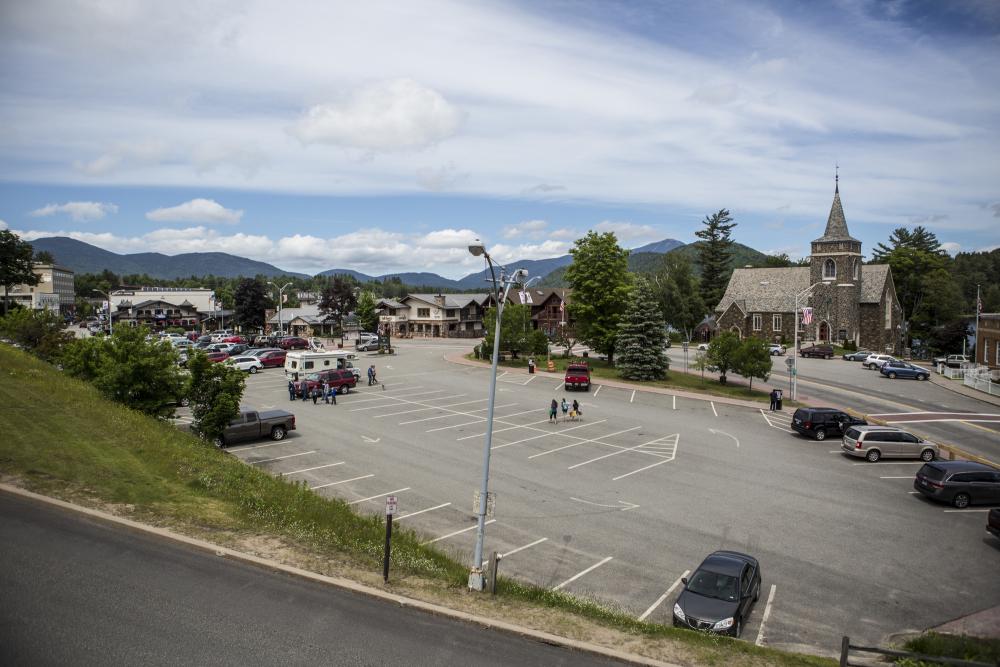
234 339
216 357
877 442
293 343
860 355
248 364
820 422
220 335
993 522
720 594
952 360
961 483
874 361
250 425
366 344
577 376
179 343
817 351
236 348
895 369
340 378
272 358
775 349
703 347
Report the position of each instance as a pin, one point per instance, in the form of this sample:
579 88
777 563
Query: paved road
620 505
80 592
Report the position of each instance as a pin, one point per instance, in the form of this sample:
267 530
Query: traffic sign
789 362
391 505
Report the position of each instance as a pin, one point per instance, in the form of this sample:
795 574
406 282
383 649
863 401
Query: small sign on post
391 506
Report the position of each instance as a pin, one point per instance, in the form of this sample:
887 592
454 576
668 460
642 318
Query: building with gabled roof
850 301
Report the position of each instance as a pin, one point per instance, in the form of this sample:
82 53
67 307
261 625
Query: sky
385 136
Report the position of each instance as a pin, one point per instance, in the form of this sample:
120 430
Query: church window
888 311
855 264
776 322
758 322
829 270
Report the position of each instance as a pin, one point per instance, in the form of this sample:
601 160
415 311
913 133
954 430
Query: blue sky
384 136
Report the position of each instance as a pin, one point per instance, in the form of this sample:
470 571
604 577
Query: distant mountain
85 258
664 246
418 279
535 267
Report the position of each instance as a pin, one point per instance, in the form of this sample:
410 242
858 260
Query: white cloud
441 179
3 225
511 253
138 153
196 210
627 231
951 247
564 233
385 116
77 210
529 228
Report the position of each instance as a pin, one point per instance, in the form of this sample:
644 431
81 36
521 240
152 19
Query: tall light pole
795 349
281 291
111 322
476 581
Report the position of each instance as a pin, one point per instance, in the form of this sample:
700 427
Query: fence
846 647
982 379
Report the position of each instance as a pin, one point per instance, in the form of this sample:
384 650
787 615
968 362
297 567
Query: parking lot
621 503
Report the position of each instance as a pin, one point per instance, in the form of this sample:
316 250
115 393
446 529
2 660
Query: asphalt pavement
76 591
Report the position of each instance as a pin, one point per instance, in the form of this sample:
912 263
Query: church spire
836 224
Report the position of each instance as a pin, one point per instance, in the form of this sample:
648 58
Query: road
81 592
618 506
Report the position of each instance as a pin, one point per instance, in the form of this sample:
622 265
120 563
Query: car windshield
313 376
714 585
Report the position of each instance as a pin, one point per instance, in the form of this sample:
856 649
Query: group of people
325 391
371 375
572 412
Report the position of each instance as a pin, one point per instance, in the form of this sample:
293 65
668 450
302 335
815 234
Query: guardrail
846 647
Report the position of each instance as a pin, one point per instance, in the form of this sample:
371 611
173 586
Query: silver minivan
875 442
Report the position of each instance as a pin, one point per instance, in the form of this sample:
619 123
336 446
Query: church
850 301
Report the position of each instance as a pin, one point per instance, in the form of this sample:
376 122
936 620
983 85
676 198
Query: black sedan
720 594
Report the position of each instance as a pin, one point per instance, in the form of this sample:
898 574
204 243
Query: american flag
807 315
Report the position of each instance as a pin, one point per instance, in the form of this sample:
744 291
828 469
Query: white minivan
300 362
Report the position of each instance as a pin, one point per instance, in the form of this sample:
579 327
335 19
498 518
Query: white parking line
675 407
328 465
514 551
427 419
890 463
343 481
233 450
906 477
632 398
390 397
558 385
583 441
501 430
279 458
767 613
479 420
457 532
580 574
712 403
428 407
663 597
965 511
623 451
653 465
406 412
545 435
381 495
769 416
429 509
598 390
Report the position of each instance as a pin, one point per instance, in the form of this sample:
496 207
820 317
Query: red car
216 357
342 379
235 339
272 359
293 343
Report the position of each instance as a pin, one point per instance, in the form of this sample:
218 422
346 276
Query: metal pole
795 352
975 350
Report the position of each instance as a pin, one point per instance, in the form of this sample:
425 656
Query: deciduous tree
41 332
601 282
15 263
715 256
722 353
215 395
641 336
753 360
337 301
679 293
367 315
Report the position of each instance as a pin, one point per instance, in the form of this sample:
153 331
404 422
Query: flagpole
979 307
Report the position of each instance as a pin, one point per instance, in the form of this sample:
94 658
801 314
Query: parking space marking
767 613
381 495
457 532
653 465
233 450
435 407
598 390
328 465
392 405
580 574
675 407
429 509
343 481
638 448
663 597
712 403
427 419
501 430
279 458
480 420
632 399
551 433
390 397
965 511
907 477
890 463
782 425
558 385
514 551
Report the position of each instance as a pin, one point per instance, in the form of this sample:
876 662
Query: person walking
576 409
374 379
315 394
371 375
774 400
326 391
565 408
333 395
291 390
553 411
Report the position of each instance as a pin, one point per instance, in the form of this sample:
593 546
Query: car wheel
892 376
184 402
219 442
873 455
739 627
927 455
921 377
278 433
756 593
961 500
820 434
871 367
829 356
253 369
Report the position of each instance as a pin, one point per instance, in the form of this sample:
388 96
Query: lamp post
795 347
281 291
477 249
111 322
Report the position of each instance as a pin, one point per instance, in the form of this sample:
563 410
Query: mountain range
85 258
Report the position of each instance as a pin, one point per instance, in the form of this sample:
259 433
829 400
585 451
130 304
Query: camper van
298 363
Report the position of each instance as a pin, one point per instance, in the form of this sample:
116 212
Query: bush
41 332
850 346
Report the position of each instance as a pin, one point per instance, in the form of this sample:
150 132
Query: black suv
821 422
960 483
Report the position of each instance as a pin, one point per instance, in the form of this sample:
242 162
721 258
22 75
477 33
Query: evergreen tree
251 300
715 256
679 294
641 336
215 394
601 282
367 315
15 263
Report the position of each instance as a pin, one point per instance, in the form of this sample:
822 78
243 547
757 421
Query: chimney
439 300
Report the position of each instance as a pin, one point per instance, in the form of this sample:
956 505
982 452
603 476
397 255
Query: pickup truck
952 360
251 424
577 376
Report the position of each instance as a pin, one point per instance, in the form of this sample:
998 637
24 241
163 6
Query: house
549 309
988 340
157 314
55 290
393 317
849 301
304 321
439 315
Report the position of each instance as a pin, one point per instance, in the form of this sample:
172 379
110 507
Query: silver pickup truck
252 425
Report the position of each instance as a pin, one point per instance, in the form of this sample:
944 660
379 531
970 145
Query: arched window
829 270
856 264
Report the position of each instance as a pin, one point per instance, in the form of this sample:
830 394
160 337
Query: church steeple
836 224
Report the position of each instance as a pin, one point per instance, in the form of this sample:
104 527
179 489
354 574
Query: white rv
300 362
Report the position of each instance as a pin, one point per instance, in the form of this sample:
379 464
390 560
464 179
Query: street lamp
479 250
111 321
281 290
795 349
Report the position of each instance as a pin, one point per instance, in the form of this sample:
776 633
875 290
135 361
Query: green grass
972 649
62 438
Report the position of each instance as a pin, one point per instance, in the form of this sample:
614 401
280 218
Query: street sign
391 505
685 344
789 362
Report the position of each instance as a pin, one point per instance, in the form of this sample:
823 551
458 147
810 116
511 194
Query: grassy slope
62 438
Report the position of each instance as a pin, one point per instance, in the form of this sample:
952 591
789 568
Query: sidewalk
984 624
959 388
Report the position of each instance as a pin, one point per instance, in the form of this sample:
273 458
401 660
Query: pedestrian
553 411
315 394
576 408
374 379
565 408
304 389
531 365
326 391
371 375
333 395
774 400
291 390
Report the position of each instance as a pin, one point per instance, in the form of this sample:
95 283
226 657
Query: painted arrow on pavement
718 432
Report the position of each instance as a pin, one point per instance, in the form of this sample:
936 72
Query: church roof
836 224
765 290
873 277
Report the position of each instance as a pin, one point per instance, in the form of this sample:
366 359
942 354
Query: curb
338 582
961 390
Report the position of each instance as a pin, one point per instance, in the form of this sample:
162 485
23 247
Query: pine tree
641 336
715 256
250 301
